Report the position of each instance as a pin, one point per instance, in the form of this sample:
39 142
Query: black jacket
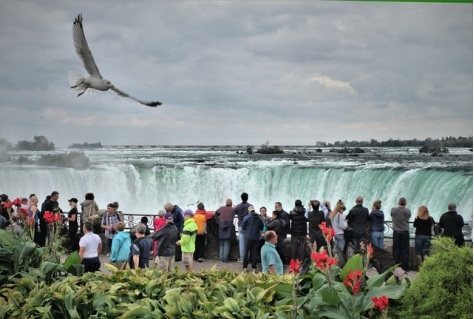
167 237
358 218
277 225
452 223
314 219
298 221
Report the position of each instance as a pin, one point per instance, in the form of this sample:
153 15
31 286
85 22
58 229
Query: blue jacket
252 226
120 247
376 220
178 218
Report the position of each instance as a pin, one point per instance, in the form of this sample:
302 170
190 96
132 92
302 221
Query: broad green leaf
72 259
378 280
391 292
329 297
354 263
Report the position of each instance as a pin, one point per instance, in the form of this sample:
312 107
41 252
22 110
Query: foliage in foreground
443 287
326 291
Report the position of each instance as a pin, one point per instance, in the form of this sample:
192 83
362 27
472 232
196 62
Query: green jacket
189 236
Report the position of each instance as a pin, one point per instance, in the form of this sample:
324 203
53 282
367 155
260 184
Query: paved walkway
231 266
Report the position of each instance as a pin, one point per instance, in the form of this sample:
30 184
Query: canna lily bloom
8 204
17 201
49 218
370 250
294 266
380 303
323 261
353 280
328 232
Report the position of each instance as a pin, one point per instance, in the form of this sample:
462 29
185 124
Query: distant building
321 144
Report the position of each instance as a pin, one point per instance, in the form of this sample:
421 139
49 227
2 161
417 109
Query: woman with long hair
423 223
339 224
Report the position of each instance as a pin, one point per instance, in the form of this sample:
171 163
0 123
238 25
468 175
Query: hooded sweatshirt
89 207
201 217
189 236
120 247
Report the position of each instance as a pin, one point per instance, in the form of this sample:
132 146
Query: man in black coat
358 218
299 230
452 223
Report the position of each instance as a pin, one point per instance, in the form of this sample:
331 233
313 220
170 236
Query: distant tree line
450 141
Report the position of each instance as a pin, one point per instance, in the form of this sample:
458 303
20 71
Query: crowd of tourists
180 236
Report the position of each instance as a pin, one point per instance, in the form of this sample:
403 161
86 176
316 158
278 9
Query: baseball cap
168 215
73 200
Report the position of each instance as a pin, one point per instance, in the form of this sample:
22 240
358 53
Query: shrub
443 287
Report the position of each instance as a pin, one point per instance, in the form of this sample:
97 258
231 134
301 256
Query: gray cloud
239 72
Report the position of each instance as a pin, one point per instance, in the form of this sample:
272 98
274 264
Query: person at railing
242 210
226 229
422 223
339 224
120 247
178 220
358 218
201 216
72 230
140 250
166 237
401 236
158 222
277 224
299 230
377 219
452 223
109 223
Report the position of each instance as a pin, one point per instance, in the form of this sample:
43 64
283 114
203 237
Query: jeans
298 247
340 241
108 241
377 238
251 246
422 245
241 244
401 248
224 249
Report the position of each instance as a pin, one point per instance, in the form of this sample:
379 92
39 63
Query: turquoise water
143 179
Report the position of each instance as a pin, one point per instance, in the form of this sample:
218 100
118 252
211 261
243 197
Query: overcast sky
240 72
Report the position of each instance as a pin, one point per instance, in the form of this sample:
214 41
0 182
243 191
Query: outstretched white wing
82 49
121 93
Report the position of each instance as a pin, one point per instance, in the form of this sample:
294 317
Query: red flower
353 280
23 212
380 303
8 204
49 218
294 266
370 250
328 232
17 201
58 218
323 261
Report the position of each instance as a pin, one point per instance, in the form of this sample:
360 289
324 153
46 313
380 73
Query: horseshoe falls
143 178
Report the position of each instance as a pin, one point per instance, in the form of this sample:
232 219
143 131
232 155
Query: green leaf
318 280
72 259
378 280
6 238
354 263
76 270
329 297
23 251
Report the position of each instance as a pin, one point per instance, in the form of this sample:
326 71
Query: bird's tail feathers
74 78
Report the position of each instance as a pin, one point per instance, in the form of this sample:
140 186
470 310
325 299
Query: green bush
443 287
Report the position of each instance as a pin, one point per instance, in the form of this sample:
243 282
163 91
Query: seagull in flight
94 81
